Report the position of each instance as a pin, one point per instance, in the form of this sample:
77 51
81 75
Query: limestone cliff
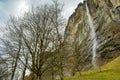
106 20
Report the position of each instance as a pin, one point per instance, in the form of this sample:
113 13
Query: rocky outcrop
106 20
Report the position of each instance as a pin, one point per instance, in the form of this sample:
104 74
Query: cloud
70 6
22 7
18 7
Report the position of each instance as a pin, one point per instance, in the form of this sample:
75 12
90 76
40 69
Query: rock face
78 44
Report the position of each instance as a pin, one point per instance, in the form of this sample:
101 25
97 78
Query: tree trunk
15 66
61 73
24 70
39 78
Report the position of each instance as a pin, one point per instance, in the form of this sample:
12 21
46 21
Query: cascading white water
93 37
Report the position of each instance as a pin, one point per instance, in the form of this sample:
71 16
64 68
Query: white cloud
70 6
18 7
22 7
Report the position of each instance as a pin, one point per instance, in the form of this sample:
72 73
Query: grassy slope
110 71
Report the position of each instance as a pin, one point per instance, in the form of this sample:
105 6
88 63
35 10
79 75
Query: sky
18 7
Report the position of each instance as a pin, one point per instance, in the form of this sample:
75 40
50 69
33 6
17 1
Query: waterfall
93 37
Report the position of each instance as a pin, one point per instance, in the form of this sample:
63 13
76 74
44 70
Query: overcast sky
18 7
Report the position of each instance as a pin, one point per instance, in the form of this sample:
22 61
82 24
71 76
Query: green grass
110 71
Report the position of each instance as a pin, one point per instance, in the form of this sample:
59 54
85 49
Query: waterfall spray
93 37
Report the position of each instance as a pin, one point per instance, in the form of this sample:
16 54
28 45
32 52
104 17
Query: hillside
110 71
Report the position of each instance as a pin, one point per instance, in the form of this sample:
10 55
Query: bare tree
36 42
4 73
